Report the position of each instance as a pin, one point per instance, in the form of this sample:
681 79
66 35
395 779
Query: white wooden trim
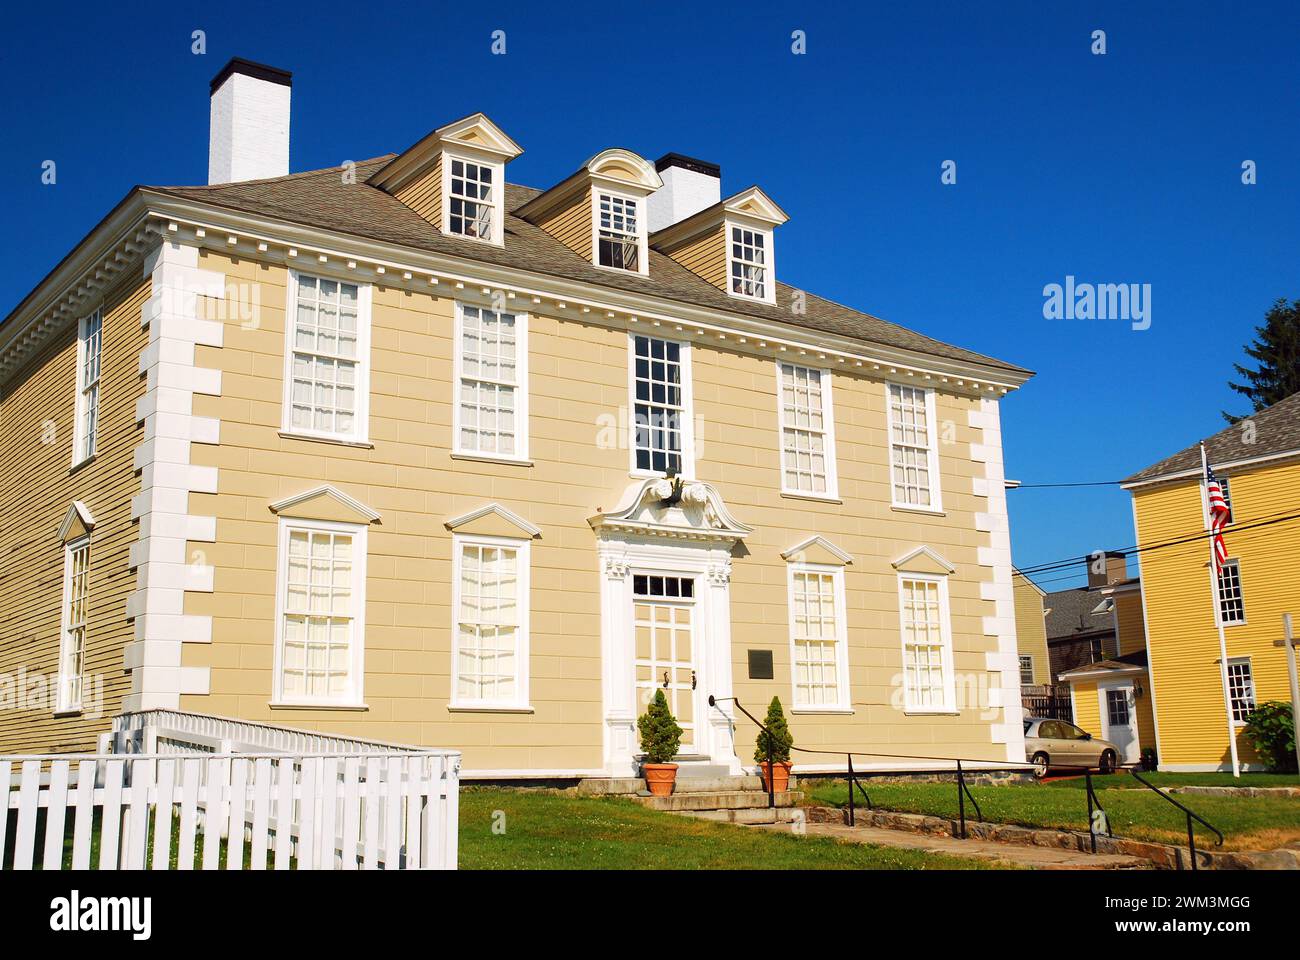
357 643
361 417
467 155
327 490
62 704
832 491
922 551
523 602
844 698
688 406
817 540
520 456
932 449
79 404
600 186
945 629
77 510
497 510
769 262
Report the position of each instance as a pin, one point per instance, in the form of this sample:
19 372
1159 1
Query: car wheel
1107 764
1040 762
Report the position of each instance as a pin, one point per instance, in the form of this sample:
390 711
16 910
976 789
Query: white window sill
930 712
622 270
748 299
824 711
912 508
488 708
323 438
83 462
490 241
68 712
310 705
489 458
818 497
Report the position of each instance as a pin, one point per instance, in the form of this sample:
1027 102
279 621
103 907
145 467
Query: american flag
1219 514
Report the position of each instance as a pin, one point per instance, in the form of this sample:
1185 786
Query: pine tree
781 736
1277 350
660 734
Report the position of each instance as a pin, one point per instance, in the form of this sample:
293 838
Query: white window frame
65 701
1241 593
1027 660
1225 485
1249 686
642 255
832 491
769 260
498 195
936 497
523 565
844 701
520 387
949 706
360 435
85 436
688 408
355 697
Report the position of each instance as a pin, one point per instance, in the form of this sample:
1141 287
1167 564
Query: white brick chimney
689 187
249 134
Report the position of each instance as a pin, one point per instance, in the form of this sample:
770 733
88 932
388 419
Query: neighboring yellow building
1259 462
401 452
1031 631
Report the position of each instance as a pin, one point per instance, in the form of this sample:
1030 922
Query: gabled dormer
455 178
600 211
729 244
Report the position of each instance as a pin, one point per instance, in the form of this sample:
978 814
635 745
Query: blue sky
1122 168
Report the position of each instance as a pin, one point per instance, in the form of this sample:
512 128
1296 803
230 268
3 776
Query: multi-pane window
1117 707
817 635
72 648
1027 669
491 406
911 444
1232 608
491 623
471 199
1227 496
1241 689
925 645
749 263
807 437
321 612
327 375
89 347
618 236
659 407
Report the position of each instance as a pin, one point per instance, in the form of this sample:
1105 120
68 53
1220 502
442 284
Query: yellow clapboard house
1258 462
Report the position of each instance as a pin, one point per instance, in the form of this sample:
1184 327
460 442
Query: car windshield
1028 724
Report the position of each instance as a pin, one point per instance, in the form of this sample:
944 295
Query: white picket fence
394 810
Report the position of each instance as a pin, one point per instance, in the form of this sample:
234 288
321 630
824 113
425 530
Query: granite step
715 800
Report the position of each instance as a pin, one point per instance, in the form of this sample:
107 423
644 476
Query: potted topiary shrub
660 738
778 771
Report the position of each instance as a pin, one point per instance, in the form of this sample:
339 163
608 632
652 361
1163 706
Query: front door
1118 720
663 614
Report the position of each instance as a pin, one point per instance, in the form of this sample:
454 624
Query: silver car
1058 743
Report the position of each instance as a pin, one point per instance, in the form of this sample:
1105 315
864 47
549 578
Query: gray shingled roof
1069 614
319 198
1276 430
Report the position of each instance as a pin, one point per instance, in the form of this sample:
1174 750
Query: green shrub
660 734
1270 732
783 740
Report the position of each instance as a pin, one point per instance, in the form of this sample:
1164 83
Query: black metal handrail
1191 815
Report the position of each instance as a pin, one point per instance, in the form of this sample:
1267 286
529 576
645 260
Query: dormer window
619 234
748 262
473 198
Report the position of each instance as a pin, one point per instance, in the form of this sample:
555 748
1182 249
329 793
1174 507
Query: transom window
660 407
618 235
491 655
807 436
471 199
749 263
327 359
72 648
1232 607
322 610
817 634
89 348
653 585
1241 689
924 616
491 406
912 450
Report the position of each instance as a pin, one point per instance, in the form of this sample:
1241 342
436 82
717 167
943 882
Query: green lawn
1248 823
544 830
1123 780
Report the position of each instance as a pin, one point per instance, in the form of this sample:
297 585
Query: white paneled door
663 613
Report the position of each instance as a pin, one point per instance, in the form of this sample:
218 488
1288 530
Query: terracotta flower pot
780 776
659 778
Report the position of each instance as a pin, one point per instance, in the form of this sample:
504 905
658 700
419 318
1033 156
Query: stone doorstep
749 817
596 787
1163 856
720 800
1210 791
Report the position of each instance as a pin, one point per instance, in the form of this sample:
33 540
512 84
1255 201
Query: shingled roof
1070 614
1276 430
320 198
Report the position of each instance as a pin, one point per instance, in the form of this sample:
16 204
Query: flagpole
1218 620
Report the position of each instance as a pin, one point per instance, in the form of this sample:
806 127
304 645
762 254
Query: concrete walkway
1039 858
